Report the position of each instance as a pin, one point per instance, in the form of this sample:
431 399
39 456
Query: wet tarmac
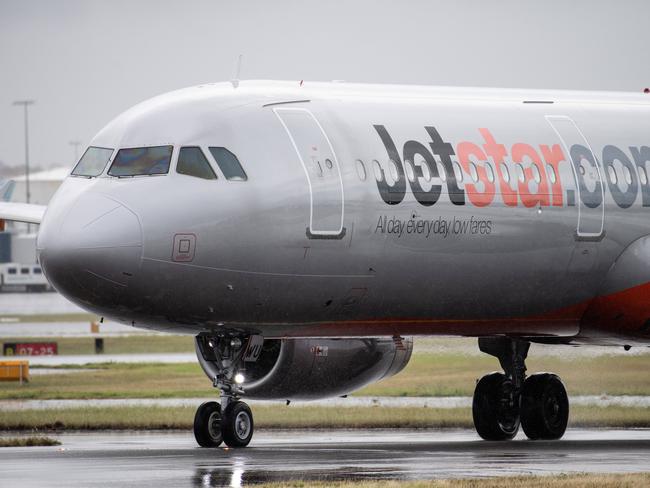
172 459
338 402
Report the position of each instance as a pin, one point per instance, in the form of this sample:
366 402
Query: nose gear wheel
231 420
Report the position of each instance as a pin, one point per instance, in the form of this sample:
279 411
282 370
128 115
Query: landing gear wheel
237 425
495 419
207 425
544 407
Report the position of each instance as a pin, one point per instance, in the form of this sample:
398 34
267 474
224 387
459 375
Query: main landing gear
231 420
504 401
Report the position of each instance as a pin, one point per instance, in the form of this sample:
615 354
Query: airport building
18 241
42 185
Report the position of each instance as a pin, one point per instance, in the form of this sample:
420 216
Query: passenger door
588 177
316 155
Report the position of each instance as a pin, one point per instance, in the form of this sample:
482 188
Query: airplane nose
92 250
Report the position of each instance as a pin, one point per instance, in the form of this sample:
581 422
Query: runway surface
338 402
172 459
39 303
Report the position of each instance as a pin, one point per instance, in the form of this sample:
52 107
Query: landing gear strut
503 401
231 420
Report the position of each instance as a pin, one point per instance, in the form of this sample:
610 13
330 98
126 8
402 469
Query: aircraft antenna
235 80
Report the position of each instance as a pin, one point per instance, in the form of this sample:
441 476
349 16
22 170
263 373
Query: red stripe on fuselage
621 314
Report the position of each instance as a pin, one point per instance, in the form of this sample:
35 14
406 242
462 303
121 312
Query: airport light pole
25 104
76 145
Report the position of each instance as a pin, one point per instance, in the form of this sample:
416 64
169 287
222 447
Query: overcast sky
84 62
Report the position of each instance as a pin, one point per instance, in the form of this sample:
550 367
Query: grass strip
454 374
115 380
28 441
132 344
426 375
279 416
631 480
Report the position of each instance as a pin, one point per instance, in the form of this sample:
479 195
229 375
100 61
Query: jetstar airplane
305 232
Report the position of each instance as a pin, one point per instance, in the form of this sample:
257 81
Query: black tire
207 425
237 425
494 418
544 407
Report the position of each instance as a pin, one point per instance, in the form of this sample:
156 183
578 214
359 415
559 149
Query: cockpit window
192 162
139 161
228 164
93 162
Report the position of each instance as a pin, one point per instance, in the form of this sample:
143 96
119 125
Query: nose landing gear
504 401
231 420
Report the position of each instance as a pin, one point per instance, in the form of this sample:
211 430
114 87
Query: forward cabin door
588 177
316 155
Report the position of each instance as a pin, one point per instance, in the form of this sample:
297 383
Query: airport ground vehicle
303 232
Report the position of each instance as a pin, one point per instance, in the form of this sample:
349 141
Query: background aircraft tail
6 189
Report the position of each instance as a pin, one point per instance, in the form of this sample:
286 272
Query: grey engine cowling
309 369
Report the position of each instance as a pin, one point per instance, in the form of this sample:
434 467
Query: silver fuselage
322 241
